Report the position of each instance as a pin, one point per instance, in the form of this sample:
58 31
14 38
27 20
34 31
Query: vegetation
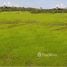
34 10
23 35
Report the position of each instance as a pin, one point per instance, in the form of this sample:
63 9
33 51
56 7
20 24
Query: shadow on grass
58 26
4 25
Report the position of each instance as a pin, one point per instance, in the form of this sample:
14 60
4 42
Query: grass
23 35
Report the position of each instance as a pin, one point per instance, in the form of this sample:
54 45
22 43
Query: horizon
46 4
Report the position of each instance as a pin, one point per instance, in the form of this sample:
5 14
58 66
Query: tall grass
23 35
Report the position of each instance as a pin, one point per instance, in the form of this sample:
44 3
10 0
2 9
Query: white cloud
60 5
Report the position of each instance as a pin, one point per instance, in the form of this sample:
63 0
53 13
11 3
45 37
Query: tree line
33 10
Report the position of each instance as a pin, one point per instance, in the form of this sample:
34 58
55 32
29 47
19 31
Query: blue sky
34 3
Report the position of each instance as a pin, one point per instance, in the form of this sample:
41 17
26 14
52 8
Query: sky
35 3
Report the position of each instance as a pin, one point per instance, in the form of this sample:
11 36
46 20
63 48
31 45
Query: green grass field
33 39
